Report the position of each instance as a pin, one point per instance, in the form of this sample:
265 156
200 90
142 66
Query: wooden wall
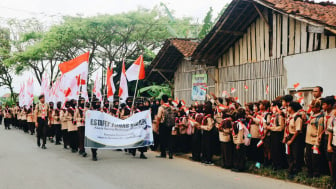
183 80
255 59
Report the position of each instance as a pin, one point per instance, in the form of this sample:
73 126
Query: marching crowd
278 133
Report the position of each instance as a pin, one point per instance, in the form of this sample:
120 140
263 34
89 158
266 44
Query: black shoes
44 147
142 156
94 158
85 154
38 144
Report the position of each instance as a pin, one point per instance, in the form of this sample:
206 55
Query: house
172 65
270 45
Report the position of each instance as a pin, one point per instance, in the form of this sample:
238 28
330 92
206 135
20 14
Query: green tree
207 24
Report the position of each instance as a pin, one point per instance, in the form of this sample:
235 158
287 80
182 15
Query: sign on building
199 87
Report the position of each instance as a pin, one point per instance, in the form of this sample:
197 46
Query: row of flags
73 82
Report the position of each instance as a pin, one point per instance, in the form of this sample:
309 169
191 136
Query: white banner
105 131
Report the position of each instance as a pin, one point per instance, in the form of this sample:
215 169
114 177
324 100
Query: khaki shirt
56 118
30 117
64 119
40 109
238 138
225 135
23 115
209 125
314 129
71 125
294 126
279 123
80 120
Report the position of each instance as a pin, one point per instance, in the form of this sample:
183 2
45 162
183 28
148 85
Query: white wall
312 69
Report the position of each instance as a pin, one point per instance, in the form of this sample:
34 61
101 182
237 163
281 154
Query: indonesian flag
45 87
175 103
233 90
123 89
297 86
298 95
97 88
246 87
287 149
224 93
267 90
29 92
22 95
74 76
110 84
301 101
261 142
137 70
316 150
183 102
237 99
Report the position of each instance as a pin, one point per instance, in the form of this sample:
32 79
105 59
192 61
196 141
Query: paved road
25 166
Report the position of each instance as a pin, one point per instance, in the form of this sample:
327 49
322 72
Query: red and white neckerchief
43 111
272 122
289 119
249 124
313 117
205 118
166 105
238 123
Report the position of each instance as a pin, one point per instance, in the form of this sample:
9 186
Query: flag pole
136 87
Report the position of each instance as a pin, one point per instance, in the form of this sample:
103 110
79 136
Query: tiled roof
184 46
324 13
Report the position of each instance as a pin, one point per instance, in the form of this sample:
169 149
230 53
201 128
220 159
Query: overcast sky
49 10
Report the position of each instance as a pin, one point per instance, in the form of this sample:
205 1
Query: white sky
51 10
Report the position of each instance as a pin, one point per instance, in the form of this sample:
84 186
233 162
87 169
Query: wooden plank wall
256 58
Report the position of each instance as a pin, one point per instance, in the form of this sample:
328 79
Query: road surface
25 166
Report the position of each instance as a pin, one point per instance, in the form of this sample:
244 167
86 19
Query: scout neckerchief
81 115
318 115
273 119
43 111
235 127
205 118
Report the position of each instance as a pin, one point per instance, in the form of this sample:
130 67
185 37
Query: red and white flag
287 149
29 98
224 93
261 142
97 88
298 95
123 88
110 84
297 86
45 89
74 76
267 90
137 70
246 87
301 101
233 90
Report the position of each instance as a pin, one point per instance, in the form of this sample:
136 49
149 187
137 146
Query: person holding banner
41 117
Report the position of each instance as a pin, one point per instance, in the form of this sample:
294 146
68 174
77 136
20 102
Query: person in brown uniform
64 125
276 128
7 117
313 139
41 117
72 127
30 120
24 120
332 146
80 121
225 130
239 152
329 112
206 126
294 126
57 123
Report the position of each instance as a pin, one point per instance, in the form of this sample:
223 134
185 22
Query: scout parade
280 134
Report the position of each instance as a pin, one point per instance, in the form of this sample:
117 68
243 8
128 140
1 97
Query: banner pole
136 87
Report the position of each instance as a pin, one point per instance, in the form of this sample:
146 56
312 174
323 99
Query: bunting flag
123 89
183 102
110 85
97 88
233 90
137 70
73 81
246 87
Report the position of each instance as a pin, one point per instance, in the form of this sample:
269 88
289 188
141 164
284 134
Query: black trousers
81 136
65 136
25 126
256 154
42 130
73 139
184 144
278 154
196 145
31 126
239 157
58 132
165 137
0 119
333 162
7 123
94 152
51 131
312 161
156 141
294 165
226 154
207 150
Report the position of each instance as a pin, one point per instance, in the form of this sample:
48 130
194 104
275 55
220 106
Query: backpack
168 116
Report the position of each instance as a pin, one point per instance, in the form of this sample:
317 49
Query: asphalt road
25 166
